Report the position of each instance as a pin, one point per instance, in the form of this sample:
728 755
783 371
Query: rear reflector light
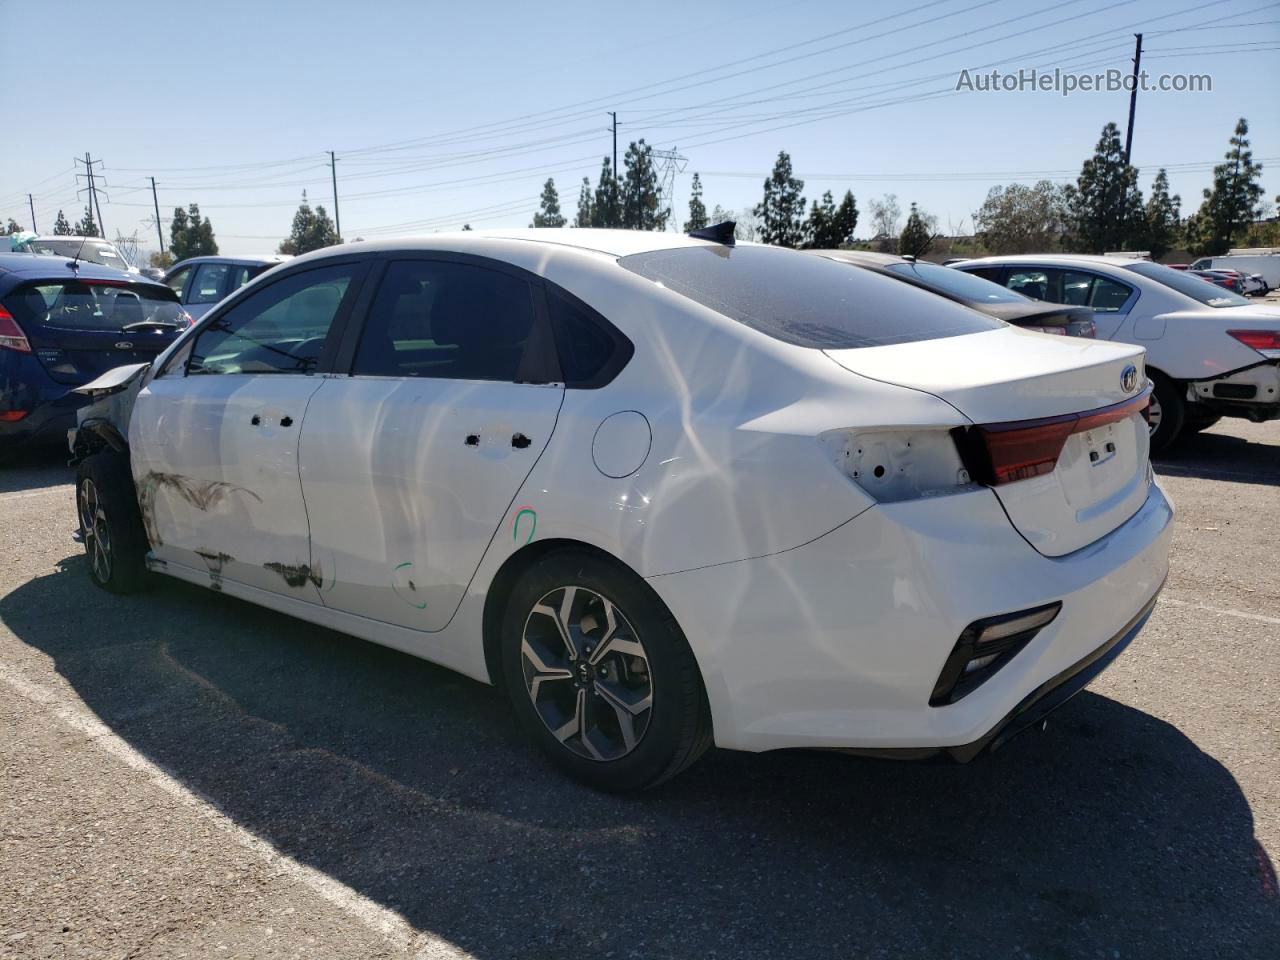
984 647
11 335
1266 342
12 416
996 453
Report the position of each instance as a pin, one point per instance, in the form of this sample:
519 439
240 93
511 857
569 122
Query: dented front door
216 466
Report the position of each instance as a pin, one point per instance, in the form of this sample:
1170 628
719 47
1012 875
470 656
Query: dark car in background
200 282
63 323
975 292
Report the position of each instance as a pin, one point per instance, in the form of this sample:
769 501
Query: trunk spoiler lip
1084 419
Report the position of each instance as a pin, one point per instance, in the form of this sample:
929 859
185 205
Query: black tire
1196 421
1173 412
111 528
677 725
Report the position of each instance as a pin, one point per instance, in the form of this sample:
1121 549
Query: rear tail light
183 320
12 416
1266 342
902 464
984 647
996 453
11 335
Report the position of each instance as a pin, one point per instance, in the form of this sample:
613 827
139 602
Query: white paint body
1185 340
819 614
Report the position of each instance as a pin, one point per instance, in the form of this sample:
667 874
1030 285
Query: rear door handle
520 441
286 421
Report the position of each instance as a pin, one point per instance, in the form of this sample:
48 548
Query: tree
312 230
606 211
549 215
1105 206
190 235
1230 204
829 226
697 209
61 228
781 212
163 261
1022 219
846 220
12 227
918 235
747 224
586 205
1162 215
885 214
640 201
87 227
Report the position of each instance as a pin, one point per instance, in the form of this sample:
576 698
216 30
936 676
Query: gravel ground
185 775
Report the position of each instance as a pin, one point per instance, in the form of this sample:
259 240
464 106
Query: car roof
616 243
28 266
864 257
1058 259
246 260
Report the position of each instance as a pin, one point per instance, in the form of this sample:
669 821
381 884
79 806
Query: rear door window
446 319
1037 284
280 329
804 300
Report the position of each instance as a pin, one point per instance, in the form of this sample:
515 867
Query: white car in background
1210 352
666 490
1265 266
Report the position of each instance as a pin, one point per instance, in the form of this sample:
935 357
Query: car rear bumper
838 644
1253 392
50 414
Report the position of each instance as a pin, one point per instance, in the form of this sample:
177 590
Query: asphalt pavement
185 775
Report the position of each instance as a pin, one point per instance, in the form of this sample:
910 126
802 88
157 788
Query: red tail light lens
1266 342
11 335
12 416
996 453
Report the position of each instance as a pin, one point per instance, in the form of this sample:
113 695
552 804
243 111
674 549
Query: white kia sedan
667 491
1210 352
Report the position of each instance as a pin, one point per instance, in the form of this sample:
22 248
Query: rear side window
591 350
211 280
807 301
447 320
85 305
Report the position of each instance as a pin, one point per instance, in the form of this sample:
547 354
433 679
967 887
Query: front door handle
255 420
520 441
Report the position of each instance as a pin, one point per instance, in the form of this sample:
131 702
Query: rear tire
619 704
1168 412
110 523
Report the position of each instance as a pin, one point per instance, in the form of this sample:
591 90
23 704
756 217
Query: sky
442 113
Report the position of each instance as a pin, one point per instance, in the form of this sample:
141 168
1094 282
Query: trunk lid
1038 385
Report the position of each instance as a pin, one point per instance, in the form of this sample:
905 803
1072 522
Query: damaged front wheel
111 529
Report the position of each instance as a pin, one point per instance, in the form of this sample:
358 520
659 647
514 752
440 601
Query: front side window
444 319
279 329
209 283
178 279
804 300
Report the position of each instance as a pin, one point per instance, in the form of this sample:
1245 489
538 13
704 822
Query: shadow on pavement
33 468
1221 456
1111 834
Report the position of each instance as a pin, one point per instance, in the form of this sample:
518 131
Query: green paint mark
533 526
404 586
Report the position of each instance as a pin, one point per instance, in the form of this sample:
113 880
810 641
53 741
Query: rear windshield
95 251
957 283
86 305
804 300
1197 288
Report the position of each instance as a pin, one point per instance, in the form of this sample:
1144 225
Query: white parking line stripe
48 491
390 925
1226 613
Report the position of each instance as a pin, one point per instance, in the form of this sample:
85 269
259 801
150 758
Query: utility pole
32 204
614 114
156 201
333 172
95 206
1133 96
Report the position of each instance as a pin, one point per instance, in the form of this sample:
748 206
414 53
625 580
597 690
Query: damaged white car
667 491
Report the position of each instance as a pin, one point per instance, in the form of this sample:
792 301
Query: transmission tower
128 246
670 163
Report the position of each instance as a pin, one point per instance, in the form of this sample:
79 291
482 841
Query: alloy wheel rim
97 539
587 673
1154 415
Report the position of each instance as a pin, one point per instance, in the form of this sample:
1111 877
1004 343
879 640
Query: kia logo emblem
128 345
1129 379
